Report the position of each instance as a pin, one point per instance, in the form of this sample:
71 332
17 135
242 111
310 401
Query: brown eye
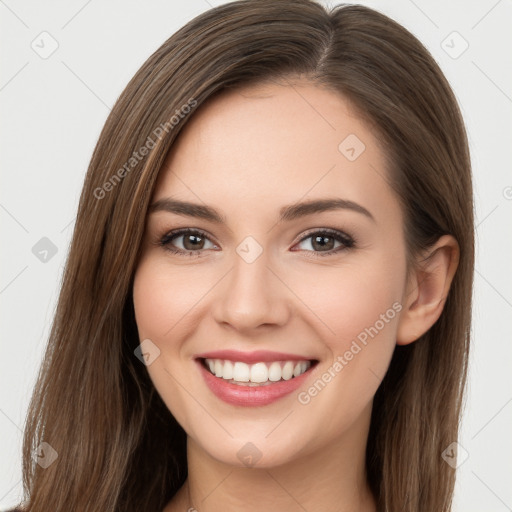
186 241
193 242
325 242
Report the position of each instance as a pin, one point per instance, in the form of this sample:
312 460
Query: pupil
318 239
193 240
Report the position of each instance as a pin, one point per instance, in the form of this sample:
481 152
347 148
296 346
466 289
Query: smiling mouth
257 374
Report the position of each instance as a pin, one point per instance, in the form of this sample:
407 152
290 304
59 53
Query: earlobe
427 289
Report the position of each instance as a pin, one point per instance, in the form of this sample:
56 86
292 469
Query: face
262 286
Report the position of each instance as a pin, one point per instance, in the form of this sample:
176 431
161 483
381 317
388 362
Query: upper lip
252 357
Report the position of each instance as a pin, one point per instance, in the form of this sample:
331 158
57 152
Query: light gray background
52 113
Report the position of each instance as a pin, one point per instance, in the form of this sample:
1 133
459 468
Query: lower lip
251 396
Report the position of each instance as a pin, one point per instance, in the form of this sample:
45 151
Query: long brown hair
118 446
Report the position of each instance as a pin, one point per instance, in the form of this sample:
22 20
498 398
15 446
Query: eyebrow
286 213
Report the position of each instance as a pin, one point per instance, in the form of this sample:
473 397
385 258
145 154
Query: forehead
280 142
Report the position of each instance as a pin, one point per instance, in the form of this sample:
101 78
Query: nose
252 296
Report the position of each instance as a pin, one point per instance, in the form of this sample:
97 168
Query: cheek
367 306
161 302
357 308
163 297
351 299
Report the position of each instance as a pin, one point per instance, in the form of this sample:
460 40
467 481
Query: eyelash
347 241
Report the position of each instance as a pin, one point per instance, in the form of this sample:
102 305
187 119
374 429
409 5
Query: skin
280 142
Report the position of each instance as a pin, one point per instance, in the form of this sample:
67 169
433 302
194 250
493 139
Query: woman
272 310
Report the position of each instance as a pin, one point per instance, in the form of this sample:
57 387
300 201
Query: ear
427 289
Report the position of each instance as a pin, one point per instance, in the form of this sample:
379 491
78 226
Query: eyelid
176 233
335 232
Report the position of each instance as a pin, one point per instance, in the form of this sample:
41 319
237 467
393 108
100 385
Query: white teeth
227 371
241 371
274 372
258 373
287 371
218 368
